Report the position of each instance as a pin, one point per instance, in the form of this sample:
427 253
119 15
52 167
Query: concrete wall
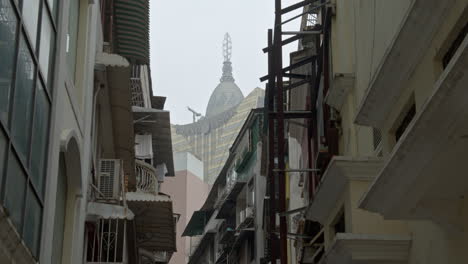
188 193
71 118
362 32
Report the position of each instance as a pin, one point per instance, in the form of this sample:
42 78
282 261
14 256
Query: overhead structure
281 80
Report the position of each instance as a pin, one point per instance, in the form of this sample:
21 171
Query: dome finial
227 47
227 52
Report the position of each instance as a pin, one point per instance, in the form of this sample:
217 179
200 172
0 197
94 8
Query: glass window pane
8 25
46 48
15 188
30 16
3 146
22 106
40 139
72 36
32 223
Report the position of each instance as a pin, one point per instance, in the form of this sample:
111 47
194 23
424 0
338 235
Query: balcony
154 220
425 176
147 181
246 217
401 58
228 204
335 183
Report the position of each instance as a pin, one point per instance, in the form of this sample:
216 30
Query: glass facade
27 45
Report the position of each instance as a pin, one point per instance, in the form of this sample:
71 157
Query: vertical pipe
94 235
101 230
271 147
116 239
124 256
109 239
280 131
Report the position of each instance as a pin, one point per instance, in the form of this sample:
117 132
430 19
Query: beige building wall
362 33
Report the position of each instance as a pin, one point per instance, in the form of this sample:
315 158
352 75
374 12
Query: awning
132 29
118 79
230 201
154 221
157 123
109 59
197 223
109 211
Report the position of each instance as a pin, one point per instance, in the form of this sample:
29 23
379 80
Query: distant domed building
211 137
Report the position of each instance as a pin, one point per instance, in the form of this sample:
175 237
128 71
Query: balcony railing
146 177
137 92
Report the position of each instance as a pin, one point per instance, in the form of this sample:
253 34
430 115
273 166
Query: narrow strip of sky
186 48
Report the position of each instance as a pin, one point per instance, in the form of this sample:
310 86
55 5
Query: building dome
227 94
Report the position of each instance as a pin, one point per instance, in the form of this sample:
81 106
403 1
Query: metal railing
137 92
146 177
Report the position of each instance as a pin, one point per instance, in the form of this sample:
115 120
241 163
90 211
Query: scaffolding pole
280 131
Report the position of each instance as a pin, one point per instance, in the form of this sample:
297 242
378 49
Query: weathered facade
373 161
84 144
228 227
364 145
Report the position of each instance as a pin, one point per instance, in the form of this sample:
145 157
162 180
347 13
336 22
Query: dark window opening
405 122
339 226
377 135
455 45
252 249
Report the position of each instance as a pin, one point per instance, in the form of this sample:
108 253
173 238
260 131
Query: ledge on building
425 175
417 29
361 248
340 171
343 83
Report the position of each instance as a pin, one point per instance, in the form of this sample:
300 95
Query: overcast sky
186 48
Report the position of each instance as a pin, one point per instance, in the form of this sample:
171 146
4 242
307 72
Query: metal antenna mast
195 114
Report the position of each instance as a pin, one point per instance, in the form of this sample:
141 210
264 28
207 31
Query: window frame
12 150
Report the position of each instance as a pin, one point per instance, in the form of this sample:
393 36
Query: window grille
106 241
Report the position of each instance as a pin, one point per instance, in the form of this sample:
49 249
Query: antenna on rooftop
195 114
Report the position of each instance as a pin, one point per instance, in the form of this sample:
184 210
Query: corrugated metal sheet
132 29
154 221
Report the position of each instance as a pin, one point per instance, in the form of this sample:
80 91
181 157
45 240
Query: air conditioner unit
109 181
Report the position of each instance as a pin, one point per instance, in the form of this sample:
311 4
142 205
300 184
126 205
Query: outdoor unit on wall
109 181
